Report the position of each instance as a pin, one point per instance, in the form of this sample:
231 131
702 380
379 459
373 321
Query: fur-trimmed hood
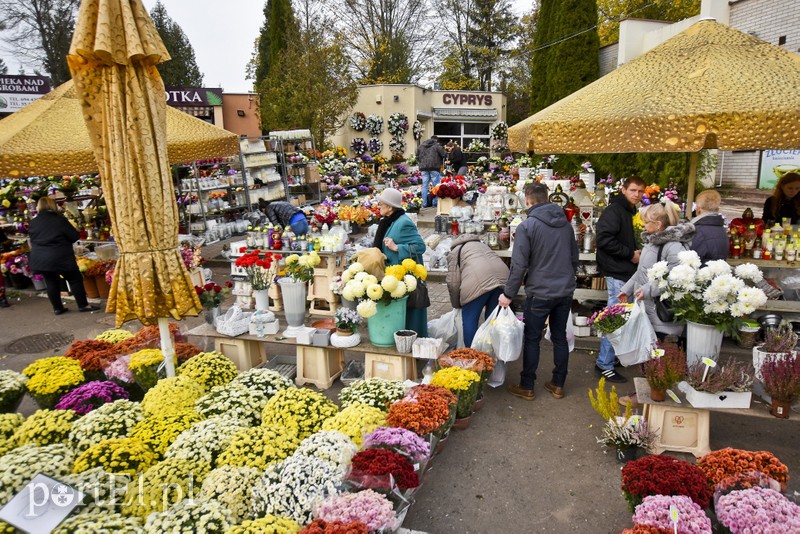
683 233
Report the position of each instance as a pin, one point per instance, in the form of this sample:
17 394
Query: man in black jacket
710 240
545 258
617 257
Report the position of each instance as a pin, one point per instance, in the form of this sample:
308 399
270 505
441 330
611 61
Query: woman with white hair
664 237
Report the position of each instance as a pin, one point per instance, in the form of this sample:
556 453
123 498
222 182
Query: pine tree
182 70
573 62
495 27
545 30
279 24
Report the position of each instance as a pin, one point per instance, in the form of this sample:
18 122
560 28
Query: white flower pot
546 174
588 180
524 173
702 341
262 299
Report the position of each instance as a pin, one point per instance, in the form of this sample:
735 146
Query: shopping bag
508 335
447 328
633 340
570 332
498 376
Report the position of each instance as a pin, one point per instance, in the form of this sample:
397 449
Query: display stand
323 300
301 178
245 353
318 365
392 367
262 165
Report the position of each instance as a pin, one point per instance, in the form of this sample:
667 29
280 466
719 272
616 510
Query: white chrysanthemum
399 291
690 258
389 283
360 276
752 297
347 275
715 307
658 271
748 271
369 280
357 288
356 268
347 292
682 276
705 275
723 287
738 310
719 267
367 308
410 282
375 292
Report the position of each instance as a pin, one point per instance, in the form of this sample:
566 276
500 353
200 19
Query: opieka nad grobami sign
16 92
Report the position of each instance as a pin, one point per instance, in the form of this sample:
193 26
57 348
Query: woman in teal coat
398 238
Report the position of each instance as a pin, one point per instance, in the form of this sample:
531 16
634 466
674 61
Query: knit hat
392 197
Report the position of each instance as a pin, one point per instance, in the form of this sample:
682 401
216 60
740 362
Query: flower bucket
261 296
39 285
103 289
294 301
702 341
349 304
90 286
211 314
20 281
404 340
747 336
389 319
624 456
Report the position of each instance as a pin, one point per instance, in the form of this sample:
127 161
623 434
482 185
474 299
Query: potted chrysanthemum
12 389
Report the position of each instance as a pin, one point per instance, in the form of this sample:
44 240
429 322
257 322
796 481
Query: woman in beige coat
475 280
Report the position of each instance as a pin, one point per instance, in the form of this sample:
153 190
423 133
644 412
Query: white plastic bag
498 376
633 340
570 332
508 336
447 328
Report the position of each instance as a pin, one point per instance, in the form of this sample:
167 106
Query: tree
41 32
279 23
390 41
453 76
612 11
516 83
495 28
456 25
308 86
182 70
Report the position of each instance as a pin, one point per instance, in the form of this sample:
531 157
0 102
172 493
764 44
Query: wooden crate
398 367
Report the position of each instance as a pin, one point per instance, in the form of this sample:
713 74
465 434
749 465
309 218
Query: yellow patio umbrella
710 86
49 136
113 60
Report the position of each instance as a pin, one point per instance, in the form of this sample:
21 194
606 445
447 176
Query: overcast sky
222 34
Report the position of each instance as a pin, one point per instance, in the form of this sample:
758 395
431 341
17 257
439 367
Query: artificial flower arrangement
450 187
158 432
109 421
663 475
211 295
757 509
355 421
368 507
91 396
476 146
423 414
19 466
301 268
374 125
117 455
45 427
171 396
115 335
462 382
611 318
720 464
399 440
50 378
293 487
621 431
666 367
656 511
356 214
382 470
374 146
548 162
209 369
713 294
411 201
377 392
397 124
500 131
205 440
329 445
268 523
397 146
357 122
524 161
325 212
260 268
230 486
15 263
191 515
148 495
12 389
298 408
418 131
260 446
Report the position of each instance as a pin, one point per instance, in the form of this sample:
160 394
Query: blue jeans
429 179
536 312
606 357
471 313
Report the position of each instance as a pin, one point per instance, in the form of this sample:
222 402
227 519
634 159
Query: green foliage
453 75
516 86
279 26
389 60
308 86
612 11
182 69
495 29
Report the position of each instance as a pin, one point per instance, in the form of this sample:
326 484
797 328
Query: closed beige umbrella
710 86
113 60
48 136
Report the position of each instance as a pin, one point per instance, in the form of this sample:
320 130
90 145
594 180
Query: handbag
664 311
455 277
419 298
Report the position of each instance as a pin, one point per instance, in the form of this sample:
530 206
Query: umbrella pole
166 346
694 157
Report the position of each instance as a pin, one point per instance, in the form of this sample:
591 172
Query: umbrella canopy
710 86
112 59
48 136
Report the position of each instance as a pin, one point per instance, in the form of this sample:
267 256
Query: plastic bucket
389 319
294 301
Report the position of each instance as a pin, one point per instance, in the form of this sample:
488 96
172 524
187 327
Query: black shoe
617 363
62 310
610 375
89 308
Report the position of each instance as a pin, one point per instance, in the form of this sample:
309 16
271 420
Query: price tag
709 362
673 396
673 515
658 353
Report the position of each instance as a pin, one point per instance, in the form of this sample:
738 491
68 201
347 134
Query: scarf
383 227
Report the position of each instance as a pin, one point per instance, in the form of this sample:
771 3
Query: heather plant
732 375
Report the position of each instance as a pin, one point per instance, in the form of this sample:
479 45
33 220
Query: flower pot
702 341
625 455
479 402
747 337
760 355
404 340
658 395
441 444
588 180
294 301
261 296
524 173
389 319
103 288
462 423
349 304
90 286
780 409
546 174
39 285
211 314
343 332
12 401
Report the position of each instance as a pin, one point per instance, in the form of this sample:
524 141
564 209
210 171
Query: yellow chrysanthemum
375 292
409 265
420 272
356 288
367 309
356 268
291 260
397 271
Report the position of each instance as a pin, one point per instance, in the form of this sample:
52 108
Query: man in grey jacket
430 156
545 258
